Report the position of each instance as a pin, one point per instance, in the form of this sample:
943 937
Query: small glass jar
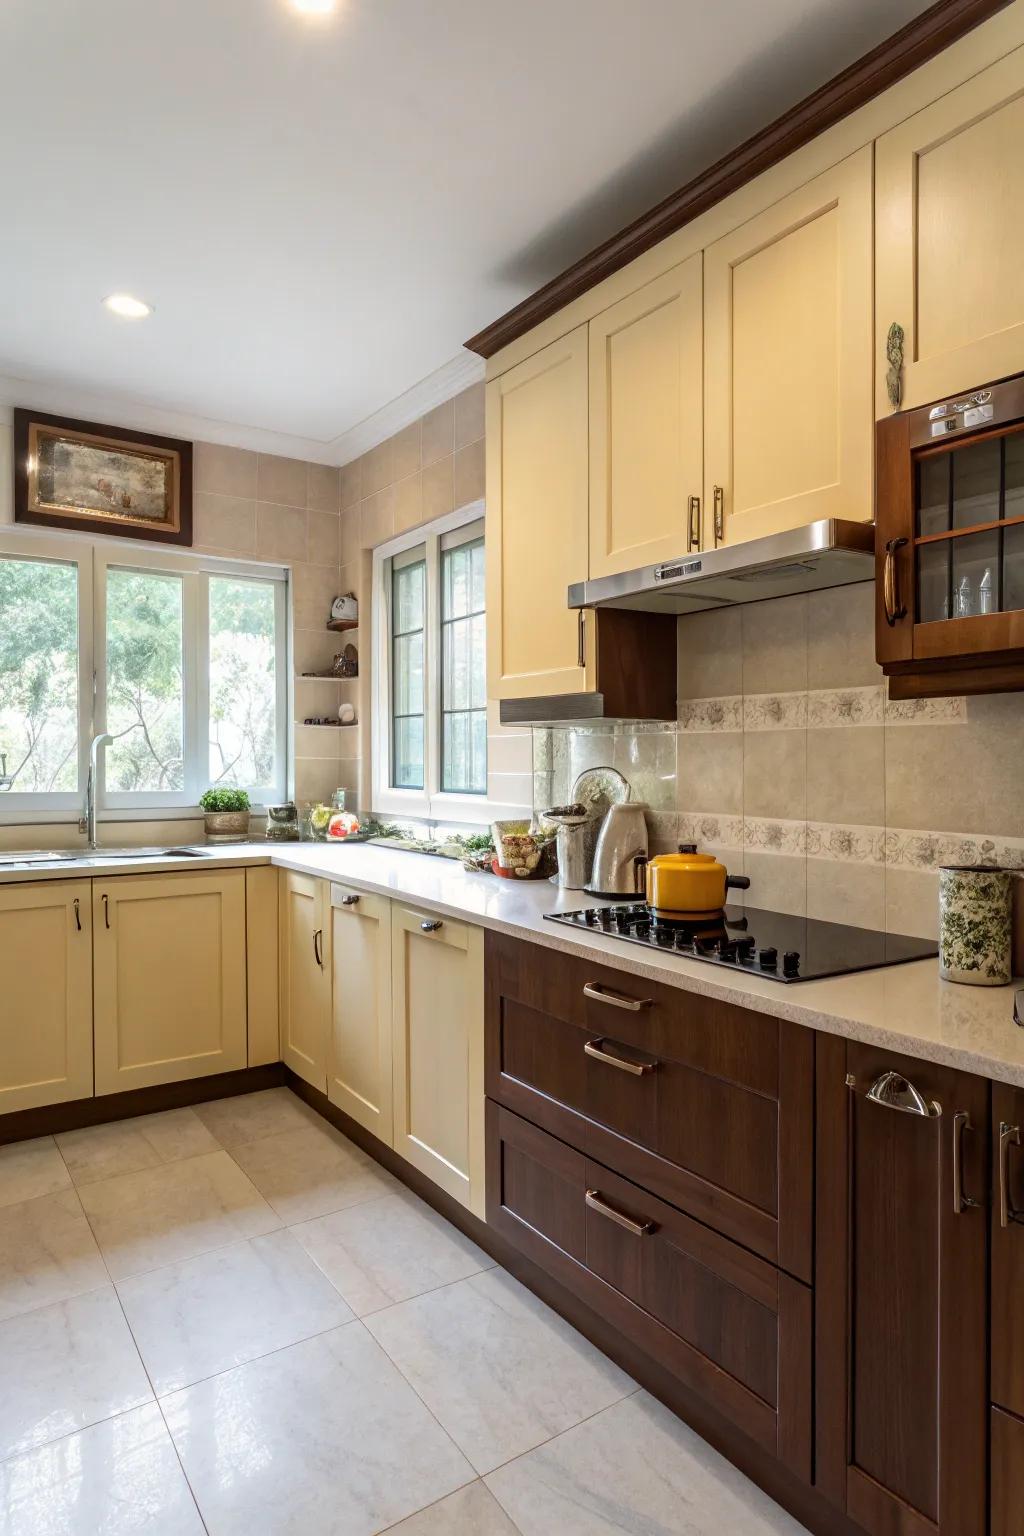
282 823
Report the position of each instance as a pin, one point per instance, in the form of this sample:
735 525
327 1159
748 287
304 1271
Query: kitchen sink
43 857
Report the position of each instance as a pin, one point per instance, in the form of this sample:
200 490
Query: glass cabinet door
969 529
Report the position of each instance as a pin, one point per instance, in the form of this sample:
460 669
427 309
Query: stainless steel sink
43 857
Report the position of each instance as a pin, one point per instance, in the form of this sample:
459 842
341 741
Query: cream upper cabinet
46 1012
949 233
646 424
305 976
170 983
359 1063
537 519
788 374
438 988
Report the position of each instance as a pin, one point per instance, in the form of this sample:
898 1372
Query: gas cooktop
771 944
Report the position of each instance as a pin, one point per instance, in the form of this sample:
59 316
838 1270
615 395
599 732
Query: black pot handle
737 882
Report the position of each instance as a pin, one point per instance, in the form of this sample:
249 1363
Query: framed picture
100 479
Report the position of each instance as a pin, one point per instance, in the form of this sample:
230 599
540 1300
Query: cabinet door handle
719 515
961 1200
602 994
106 910
895 608
892 1091
636 1068
431 925
581 638
596 1203
1009 1136
349 901
318 947
693 527
78 915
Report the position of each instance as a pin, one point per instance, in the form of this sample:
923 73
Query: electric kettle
621 851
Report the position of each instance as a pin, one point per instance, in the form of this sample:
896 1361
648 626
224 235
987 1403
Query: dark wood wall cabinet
822 1241
950 544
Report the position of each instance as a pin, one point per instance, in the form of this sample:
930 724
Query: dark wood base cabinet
1007 1474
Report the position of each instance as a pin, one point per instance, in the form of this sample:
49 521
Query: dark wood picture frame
116 523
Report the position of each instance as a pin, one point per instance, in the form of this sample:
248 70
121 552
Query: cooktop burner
771 944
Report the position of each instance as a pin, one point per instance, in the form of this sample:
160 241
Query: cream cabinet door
537 518
949 236
170 990
438 987
46 985
789 420
305 976
646 423
359 1063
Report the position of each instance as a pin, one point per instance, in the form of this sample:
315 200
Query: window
430 679
183 661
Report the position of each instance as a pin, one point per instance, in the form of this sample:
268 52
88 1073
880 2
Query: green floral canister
974 924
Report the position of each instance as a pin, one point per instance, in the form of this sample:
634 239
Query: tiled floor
229 1319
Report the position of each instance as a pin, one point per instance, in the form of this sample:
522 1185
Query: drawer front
1008 1249
730 1326
707 1105
1007 1474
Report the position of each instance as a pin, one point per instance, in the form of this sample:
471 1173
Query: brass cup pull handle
431 925
596 1203
895 608
961 1200
892 1091
349 901
106 910
719 514
318 947
601 994
78 915
1009 1136
593 1049
693 525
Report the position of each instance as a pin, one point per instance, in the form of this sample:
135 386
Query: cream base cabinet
788 399
438 1008
359 1061
305 976
949 231
170 977
646 424
46 977
537 523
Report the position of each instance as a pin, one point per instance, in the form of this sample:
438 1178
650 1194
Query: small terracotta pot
226 826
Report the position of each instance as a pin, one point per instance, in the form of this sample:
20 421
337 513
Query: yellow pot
683 885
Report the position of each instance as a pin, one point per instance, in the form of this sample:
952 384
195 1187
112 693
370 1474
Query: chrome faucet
103 740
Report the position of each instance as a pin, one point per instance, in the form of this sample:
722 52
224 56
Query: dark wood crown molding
913 45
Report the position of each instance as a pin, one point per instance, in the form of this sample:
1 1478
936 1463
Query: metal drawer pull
894 1092
719 514
431 925
349 901
636 1068
693 524
318 947
78 916
638 1228
1009 1135
600 994
961 1201
106 910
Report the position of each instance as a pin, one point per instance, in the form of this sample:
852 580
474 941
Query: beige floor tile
496 1367
389 1250
118 1477
312 1171
194 1319
163 1215
633 1470
473 1511
252 1115
47 1253
64 1367
29 1169
125 1146
323 1437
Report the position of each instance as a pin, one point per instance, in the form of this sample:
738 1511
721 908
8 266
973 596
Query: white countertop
903 1008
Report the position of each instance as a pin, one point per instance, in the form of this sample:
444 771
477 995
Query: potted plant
226 815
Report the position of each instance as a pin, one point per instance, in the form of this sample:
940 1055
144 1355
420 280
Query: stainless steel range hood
829 553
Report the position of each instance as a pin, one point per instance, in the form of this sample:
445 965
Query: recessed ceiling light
314 7
127 307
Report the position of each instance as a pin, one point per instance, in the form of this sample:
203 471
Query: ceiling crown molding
441 385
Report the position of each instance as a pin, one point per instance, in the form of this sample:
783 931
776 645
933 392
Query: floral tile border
926 711
722 714
849 845
818 709
703 827
906 849
929 850
832 707
774 711
770 835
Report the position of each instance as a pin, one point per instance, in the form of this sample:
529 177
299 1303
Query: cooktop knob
604 917
590 916
727 949
745 947
664 936
643 930
791 963
684 940
622 921
768 959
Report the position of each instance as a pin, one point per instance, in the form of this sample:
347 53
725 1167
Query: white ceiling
320 212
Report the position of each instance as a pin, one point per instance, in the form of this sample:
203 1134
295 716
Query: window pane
408 603
463 670
39 675
243 683
144 682
408 598
408 752
464 753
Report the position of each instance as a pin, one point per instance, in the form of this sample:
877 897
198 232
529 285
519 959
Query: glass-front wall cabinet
970 529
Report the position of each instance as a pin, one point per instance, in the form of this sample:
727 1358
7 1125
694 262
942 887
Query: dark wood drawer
710 1106
1007 1474
729 1325
1008 1251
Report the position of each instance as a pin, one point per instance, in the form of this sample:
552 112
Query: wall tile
405 451
282 480
469 415
775 774
314 588
912 902
351 542
846 893
408 503
710 772
225 523
846 775
351 483
977 764
438 489
710 654
775 646
841 638
324 538
316 779
468 474
315 649
778 882
225 471
281 533
324 488
378 518
438 433
377 471
318 741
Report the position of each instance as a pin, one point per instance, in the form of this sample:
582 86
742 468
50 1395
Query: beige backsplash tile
841 637
778 881
842 892
710 772
775 646
709 654
469 415
324 488
224 523
351 483
282 480
225 471
324 538
846 775
438 433
775 774
281 533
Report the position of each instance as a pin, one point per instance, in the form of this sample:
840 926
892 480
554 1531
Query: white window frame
431 802
94 558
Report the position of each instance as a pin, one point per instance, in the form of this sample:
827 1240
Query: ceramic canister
974 924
